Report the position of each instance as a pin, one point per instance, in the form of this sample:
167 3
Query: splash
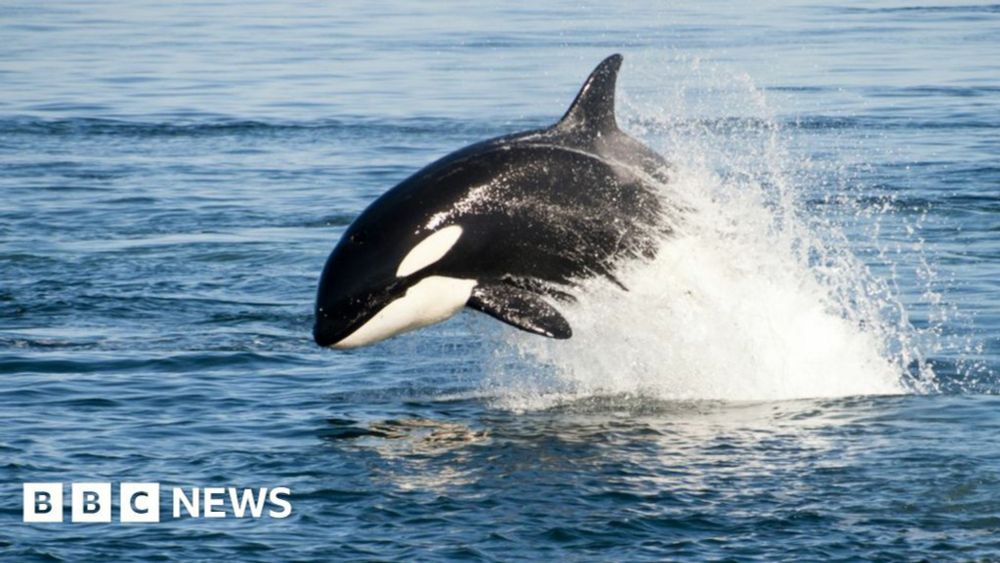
753 297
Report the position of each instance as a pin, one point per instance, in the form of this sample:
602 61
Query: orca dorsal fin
593 110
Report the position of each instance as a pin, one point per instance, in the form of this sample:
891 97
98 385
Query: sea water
807 370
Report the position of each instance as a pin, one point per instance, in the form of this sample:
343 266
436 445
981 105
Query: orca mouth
337 323
327 333
337 319
334 323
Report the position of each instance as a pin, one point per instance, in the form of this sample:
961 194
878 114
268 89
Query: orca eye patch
429 250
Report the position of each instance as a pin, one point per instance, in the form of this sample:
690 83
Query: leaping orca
505 226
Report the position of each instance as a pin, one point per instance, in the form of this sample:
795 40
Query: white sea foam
753 297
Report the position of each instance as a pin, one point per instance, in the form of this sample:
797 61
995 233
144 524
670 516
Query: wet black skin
539 210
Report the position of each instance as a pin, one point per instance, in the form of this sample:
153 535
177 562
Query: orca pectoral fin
521 309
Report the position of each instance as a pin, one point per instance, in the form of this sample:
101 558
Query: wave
363 126
743 124
224 126
929 10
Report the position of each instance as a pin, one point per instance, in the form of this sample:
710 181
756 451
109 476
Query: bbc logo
140 502
91 502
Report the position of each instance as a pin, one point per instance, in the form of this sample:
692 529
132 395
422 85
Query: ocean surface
809 370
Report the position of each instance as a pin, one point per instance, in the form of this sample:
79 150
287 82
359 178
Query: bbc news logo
140 502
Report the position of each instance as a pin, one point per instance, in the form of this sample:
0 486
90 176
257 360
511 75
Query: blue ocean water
809 373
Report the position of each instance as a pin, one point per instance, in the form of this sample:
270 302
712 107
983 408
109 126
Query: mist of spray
752 297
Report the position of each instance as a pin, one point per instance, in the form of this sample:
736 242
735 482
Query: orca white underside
432 300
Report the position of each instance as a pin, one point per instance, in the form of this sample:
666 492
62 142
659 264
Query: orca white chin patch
432 300
429 250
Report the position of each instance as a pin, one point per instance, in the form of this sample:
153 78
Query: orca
508 226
